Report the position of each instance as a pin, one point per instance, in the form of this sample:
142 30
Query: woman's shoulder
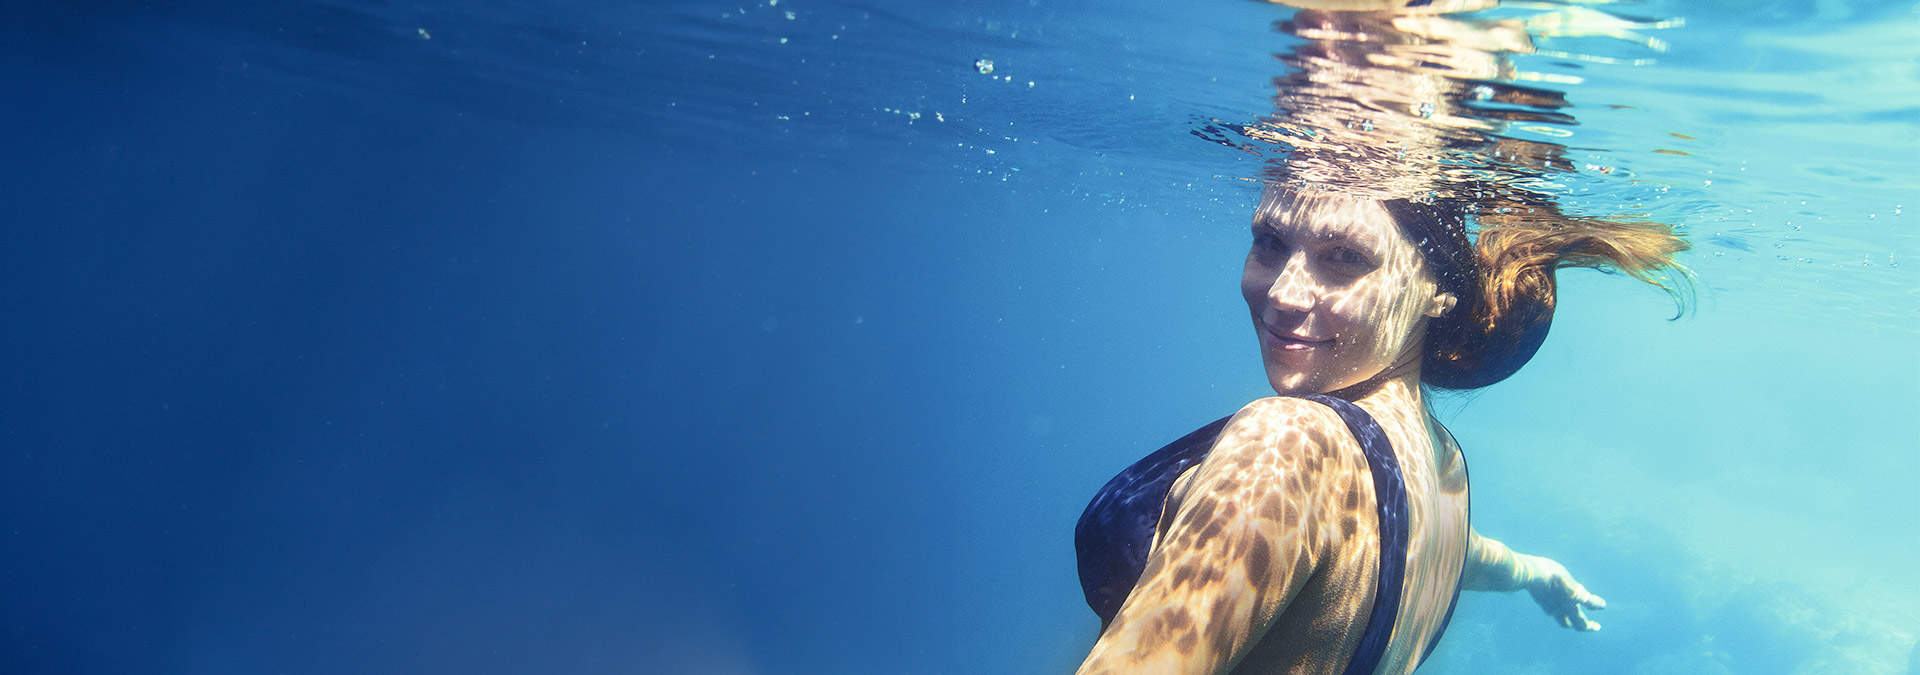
1282 434
1287 424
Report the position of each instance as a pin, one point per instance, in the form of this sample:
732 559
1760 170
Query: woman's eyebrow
1307 228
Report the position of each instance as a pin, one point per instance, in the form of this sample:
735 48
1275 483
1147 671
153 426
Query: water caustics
1423 105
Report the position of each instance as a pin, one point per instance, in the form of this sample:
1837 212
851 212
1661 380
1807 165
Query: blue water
403 337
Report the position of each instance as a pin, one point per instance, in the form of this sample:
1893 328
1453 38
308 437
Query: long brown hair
1503 276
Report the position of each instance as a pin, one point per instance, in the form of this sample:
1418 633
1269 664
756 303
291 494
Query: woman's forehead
1329 216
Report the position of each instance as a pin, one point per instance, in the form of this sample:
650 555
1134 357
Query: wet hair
1503 278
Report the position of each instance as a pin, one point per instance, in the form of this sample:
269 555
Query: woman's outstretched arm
1491 566
1234 547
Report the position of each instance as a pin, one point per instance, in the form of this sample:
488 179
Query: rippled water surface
693 337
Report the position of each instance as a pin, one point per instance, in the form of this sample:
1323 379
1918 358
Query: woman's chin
1293 372
1288 382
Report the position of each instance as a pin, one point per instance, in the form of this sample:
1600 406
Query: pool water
781 337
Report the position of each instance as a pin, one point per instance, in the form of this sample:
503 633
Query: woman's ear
1442 303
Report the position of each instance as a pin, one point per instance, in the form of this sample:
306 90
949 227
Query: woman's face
1337 292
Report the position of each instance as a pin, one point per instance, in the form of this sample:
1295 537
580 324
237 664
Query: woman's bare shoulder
1284 460
1277 460
1280 432
1242 534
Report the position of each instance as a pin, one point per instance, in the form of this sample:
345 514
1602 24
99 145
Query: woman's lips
1295 343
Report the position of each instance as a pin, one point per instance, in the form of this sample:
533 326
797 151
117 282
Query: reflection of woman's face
1336 291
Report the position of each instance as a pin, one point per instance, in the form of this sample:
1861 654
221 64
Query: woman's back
1332 608
1270 549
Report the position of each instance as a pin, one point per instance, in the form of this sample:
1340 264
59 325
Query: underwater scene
796 336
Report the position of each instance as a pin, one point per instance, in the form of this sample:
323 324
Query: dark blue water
401 338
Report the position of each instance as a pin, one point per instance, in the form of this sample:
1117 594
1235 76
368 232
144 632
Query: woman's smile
1288 341
1335 289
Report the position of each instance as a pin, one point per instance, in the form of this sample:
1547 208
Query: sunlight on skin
1268 549
1336 292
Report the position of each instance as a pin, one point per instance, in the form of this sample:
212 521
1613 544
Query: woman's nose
1292 290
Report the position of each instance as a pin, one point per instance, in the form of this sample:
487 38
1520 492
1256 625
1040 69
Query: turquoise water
778 338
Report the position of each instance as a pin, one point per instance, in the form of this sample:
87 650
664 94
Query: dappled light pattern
1267 552
1337 293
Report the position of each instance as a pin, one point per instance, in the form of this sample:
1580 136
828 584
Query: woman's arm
1491 566
1233 548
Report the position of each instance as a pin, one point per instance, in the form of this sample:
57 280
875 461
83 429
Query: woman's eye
1266 242
1347 256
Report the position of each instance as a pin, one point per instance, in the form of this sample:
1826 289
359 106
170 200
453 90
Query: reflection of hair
1504 281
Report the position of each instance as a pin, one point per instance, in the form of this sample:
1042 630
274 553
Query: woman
1326 530
1268 553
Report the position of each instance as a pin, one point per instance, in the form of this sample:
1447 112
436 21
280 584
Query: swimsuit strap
1390 501
1115 533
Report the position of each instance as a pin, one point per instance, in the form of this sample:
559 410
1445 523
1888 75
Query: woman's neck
1396 391
1398 396
1399 384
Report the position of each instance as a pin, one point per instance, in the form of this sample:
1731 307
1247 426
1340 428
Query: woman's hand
1491 566
1558 593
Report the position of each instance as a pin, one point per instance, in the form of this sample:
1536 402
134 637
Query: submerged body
1398 246
1274 545
1270 549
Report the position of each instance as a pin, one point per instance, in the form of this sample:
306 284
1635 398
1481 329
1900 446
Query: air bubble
985 66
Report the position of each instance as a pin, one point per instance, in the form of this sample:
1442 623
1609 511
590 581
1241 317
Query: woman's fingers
1564 599
1582 598
1580 595
1570 616
1590 601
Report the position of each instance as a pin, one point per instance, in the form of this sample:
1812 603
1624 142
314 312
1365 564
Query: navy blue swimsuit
1116 531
